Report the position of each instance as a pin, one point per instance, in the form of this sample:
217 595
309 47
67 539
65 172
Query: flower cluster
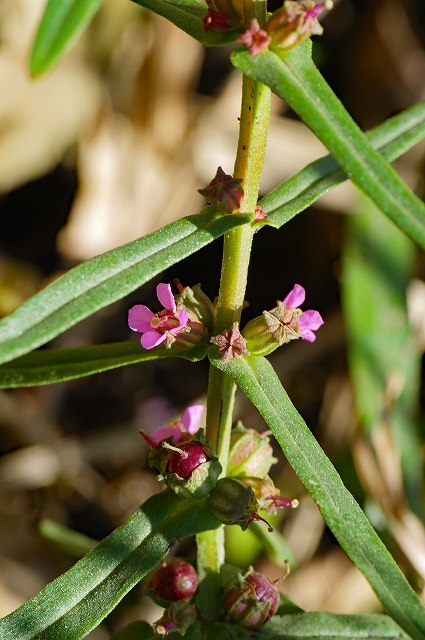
287 27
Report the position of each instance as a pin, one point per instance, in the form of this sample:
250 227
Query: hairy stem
253 131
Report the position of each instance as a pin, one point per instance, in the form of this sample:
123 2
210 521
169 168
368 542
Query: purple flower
158 327
189 423
308 321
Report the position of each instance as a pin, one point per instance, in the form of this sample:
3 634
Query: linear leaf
96 283
318 624
187 15
61 23
257 378
57 365
76 602
392 138
294 77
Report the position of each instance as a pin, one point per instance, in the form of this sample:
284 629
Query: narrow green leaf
187 15
318 624
257 378
294 77
106 278
73 542
73 604
392 138
57 365
61 23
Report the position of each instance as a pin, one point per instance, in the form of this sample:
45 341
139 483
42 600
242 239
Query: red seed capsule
174 580
185 458
251 599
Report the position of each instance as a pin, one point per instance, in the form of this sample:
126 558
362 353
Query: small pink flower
158 327
189 423
308 321
255 38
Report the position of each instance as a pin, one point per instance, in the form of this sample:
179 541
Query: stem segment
254 124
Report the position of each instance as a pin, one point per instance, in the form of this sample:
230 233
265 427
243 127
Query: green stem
253 131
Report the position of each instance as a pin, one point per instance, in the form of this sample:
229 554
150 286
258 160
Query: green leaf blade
106 278
294 77
60 365
74 604
391 139
61 23
258 380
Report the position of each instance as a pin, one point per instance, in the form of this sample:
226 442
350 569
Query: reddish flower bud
174 579
251 599
230 343
224 192
255 38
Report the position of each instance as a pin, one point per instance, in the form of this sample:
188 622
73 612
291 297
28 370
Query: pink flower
175 429
255 38
308 321
158 327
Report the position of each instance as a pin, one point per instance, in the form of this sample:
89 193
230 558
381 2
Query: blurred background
113 144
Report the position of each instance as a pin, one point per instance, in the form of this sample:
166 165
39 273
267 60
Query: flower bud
250 453
174 579
198 306
251 599
295 22
178 617
190 469
224 192
232 9
233 502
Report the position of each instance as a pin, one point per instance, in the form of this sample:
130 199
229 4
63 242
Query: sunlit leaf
294 77
73 604
257 378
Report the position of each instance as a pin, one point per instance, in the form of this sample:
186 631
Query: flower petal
166 298
182 317
295 297
191 417
152 339
310 320
163 433
139 318
308 335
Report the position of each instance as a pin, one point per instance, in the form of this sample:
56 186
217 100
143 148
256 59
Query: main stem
253 130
